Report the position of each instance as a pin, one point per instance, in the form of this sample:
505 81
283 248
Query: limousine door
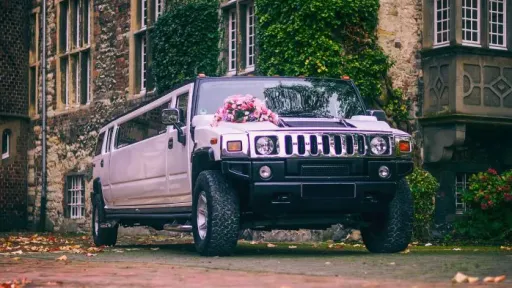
178 162
138 162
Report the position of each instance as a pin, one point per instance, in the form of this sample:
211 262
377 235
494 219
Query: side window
109 139
99 144
142 127
182 103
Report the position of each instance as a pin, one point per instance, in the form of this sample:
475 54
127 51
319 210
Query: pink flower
244 106
256 113
492 171
264 110
233 106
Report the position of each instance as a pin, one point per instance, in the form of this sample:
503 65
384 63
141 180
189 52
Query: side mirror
379 114
171 116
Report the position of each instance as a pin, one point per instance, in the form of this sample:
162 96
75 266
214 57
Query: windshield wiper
304 114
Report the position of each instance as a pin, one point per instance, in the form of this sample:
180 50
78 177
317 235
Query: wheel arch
203 159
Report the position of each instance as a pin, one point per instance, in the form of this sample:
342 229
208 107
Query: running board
149 216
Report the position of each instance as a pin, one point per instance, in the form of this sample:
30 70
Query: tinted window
109 139
141 128
182 103
99 144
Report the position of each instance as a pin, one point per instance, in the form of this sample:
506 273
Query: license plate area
328 190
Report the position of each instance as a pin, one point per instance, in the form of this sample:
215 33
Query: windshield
310 98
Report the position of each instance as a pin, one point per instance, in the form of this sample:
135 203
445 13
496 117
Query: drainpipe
42 217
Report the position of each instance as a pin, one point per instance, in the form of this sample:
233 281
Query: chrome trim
397 139
366 135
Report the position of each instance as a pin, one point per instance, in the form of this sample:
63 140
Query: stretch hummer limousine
222 154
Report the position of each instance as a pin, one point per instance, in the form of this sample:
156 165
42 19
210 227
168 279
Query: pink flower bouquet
242 109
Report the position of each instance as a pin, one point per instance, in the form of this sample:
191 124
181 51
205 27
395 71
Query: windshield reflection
288 97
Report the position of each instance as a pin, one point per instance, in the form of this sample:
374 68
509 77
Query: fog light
265 172
384 172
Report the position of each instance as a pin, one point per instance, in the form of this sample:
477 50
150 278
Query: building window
232 40
144 63
442 22
159 8
250 37
461 185
74 53
6 144
471 22
33 63
75 197
497 27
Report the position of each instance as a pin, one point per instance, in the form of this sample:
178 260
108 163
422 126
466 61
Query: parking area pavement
161 262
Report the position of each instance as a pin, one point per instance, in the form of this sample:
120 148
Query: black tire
391 231
223 215
104 236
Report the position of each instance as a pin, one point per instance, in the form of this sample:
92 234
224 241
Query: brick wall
13 57
13 113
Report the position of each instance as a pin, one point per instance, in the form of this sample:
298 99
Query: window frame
72 71
159 4
75 201
490 23
250 36
6 140
448 8
465 185
232 39
478 20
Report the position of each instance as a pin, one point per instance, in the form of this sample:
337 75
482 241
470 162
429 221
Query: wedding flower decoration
242 109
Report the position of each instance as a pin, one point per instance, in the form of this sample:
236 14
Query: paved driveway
256 265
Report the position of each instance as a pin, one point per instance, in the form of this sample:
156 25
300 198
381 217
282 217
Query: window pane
99 144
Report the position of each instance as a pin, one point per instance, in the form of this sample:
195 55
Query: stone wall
71 136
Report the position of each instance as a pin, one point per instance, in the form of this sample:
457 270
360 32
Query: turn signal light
234 146
214 141
345 77
404 146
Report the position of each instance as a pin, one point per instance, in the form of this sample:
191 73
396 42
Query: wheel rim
202 215
96 222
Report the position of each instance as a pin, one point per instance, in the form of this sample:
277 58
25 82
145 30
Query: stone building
453 60
14 120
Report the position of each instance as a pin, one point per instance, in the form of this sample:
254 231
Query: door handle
170 144
101 163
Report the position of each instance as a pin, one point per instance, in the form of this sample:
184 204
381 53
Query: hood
356 123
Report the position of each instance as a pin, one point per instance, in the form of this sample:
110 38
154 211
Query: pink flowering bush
242 109
489 199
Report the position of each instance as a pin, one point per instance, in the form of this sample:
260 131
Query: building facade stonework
456 70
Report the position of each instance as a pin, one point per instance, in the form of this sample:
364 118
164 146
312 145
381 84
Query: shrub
489 203
186 42
423 187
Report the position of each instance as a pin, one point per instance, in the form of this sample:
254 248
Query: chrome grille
325 144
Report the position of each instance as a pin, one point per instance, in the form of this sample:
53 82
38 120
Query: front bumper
320 185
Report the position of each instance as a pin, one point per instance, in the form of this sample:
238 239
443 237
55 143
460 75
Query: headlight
265 145
378 145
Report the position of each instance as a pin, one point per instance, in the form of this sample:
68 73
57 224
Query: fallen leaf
330 245
460 278
62 258
358 245
472 280
16 258
392 263
489 280
270 245
414 243
17 252
500 279
456 249
292 247
155 249
428 244
406 251
327 263
254 242
91 255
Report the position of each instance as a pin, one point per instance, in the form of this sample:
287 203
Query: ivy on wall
327 38
186 42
